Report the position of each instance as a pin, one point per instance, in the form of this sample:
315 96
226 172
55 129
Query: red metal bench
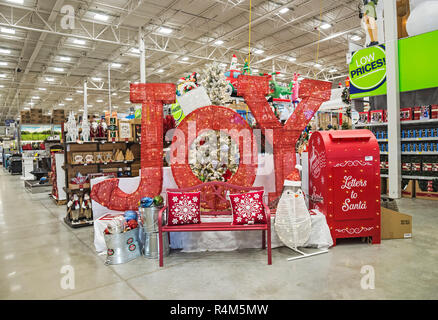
214 202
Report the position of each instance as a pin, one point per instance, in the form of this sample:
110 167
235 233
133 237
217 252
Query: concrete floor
35 244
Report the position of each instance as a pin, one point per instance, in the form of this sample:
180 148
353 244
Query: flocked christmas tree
215 84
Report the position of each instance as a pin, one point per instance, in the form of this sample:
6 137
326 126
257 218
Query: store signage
368 72
416 61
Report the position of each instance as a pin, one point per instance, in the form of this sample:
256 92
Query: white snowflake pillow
248 208
184 208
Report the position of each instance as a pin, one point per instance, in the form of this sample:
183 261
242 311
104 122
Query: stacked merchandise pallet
419 148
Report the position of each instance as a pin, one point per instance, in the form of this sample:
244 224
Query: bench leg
160 246
269 246
264 239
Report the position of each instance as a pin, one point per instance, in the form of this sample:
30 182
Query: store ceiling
182 36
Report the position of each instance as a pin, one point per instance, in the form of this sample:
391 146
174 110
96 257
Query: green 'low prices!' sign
368 72
418 68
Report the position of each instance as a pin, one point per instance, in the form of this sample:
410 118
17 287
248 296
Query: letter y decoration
312 93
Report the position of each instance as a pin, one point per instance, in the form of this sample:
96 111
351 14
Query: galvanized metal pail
151 245
122 247
148 218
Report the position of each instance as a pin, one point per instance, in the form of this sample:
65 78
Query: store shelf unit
110 167
419 151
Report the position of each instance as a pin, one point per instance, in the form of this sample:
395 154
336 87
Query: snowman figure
423 17
292 220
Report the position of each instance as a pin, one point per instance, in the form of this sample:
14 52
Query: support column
142 56
109 89
85 115
393 99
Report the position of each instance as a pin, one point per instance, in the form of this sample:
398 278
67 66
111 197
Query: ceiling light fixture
185 58
292 59
333 70
61 104
317 65
69 99
219 42
99 100
3 63
58 69
101 17
42 89
16 1
134 50
259 51
66 59
116 65
26 108
356 37
7 30
96 79
325 26
79 41
284 10
2 75
165 30
300 78
160 71
5 51
79 91
35 97
50 79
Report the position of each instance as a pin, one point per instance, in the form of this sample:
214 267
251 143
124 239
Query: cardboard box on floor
395 225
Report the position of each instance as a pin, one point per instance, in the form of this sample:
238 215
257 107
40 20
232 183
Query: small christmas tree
215 84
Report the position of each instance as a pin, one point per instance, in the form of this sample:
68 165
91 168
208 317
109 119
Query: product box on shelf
364 117
125 130
426 189
74 186
107 156
405 114
416 166
88 157
113 129
395 225
377 116
98 157
408 187
77 158
422 113
434 111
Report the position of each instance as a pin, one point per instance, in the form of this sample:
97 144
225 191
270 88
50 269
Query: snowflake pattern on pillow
184 208
248 208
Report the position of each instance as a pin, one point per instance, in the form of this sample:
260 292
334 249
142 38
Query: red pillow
248 208
184 208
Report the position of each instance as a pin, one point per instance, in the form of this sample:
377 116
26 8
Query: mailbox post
344 182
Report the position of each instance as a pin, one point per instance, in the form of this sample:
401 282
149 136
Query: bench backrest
214 200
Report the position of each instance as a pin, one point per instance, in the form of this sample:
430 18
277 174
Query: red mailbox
344 182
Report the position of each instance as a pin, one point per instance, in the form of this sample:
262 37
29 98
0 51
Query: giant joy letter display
254 90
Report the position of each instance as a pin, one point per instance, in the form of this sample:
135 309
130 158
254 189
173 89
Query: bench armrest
160 216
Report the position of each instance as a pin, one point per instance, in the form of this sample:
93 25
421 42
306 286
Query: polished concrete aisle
35 245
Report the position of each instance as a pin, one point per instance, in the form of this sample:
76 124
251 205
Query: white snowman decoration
423 17
292 220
